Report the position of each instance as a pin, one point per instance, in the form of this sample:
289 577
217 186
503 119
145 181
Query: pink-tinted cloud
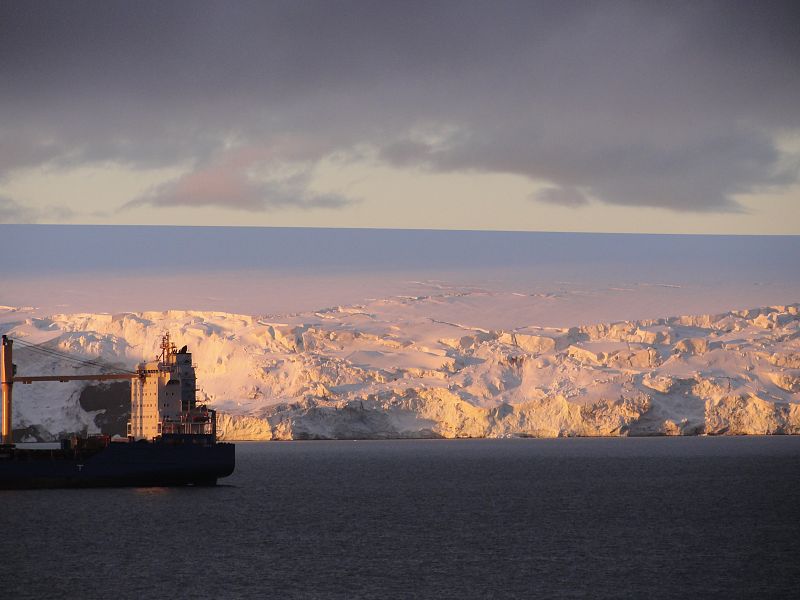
232 181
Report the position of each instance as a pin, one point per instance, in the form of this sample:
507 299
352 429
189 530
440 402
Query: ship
171 439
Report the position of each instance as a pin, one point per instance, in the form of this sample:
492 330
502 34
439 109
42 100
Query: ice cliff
386 370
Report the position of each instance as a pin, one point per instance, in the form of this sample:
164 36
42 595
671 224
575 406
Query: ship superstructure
164 398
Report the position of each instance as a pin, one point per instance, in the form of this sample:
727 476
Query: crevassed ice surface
346 333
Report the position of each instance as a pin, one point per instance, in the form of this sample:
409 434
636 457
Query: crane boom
8 377
107 376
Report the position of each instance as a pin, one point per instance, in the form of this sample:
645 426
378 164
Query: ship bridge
163 400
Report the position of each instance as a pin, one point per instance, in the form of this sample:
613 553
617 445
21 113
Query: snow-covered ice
395 368
382 333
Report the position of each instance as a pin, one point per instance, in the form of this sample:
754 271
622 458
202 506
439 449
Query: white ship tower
163 401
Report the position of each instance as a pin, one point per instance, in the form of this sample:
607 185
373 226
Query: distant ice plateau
427 366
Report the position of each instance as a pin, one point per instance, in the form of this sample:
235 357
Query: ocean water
526 518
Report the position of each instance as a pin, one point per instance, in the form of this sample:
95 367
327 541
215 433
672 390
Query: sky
282 271
643 117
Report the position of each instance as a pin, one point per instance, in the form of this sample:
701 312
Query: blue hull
136 464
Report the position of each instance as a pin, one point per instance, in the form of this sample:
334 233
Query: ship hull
136 464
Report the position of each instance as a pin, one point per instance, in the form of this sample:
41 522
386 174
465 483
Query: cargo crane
171 440
8 377
162 392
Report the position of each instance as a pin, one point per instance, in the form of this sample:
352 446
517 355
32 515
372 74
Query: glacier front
398 368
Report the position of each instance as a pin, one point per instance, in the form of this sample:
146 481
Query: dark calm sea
566 518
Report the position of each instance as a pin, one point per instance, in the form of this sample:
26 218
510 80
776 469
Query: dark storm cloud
660 104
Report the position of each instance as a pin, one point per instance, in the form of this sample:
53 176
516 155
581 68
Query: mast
6 380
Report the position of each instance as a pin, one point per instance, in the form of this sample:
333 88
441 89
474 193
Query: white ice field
382 334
